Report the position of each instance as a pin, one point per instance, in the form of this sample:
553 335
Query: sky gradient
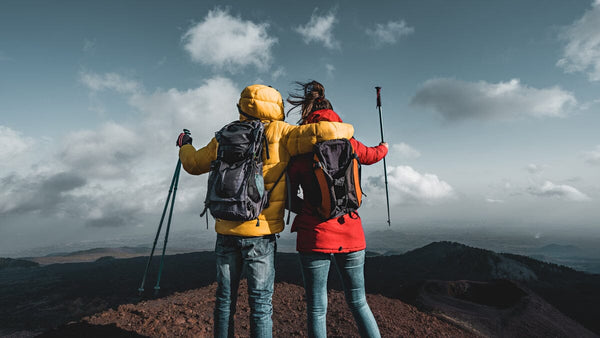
491 109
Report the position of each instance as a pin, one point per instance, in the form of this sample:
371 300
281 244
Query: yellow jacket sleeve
197 162
300 139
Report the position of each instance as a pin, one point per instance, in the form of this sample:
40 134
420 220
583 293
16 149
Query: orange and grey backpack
337 171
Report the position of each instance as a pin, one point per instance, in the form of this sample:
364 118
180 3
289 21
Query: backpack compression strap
250 117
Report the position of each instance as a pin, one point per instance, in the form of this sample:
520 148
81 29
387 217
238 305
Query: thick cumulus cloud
202 110
407 186
226 42
461 100
390 32
106 152
119 173
561 191
582 50
320 29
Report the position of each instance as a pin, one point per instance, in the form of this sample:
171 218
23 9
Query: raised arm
369 155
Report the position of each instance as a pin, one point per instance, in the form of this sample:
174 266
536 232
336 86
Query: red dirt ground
189 314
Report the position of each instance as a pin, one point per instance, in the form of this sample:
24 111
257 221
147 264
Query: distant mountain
575 293
6 263
558 250
90 255
500 308
103 251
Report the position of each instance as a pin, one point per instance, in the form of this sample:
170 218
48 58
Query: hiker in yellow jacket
252 244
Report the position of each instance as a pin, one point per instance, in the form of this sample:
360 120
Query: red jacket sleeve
368 155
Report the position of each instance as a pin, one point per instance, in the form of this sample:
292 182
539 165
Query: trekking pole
173 187
162 218
387 196
162 258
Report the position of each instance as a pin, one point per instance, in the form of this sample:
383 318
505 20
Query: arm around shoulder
300 139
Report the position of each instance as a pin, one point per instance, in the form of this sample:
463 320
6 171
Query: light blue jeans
256 257
350 266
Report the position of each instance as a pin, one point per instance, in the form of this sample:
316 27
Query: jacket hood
323 115
262 102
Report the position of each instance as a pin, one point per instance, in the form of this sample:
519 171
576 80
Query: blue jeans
256 257
350 266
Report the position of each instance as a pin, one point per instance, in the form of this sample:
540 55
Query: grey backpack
236 188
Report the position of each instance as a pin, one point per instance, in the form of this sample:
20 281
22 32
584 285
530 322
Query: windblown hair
309 97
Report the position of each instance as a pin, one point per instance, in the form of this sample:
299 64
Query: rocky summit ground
189 314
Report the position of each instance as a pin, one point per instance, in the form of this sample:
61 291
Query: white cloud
12 144
389 33
493 201
582 51
406 185
224 41
592 156
561 191
107 152
460 100
109 81
202 110
117 174
320 29
405 151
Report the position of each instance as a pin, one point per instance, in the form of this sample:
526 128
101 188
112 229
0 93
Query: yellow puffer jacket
284 141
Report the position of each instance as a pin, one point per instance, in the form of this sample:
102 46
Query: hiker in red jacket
320 241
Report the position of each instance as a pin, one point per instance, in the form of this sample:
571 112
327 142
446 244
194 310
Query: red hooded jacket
339 235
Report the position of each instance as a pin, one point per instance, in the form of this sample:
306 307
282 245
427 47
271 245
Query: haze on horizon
491 109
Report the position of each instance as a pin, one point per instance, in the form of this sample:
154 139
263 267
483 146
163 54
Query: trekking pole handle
378 89
187 131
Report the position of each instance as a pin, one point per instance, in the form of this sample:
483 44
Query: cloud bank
227 42
581 53
460 100
320 29
119 173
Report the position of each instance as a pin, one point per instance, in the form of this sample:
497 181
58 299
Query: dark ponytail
309 97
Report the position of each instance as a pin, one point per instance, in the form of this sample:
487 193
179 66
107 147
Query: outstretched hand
183 139
384 144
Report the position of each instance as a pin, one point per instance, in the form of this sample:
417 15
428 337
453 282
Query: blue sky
491 109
